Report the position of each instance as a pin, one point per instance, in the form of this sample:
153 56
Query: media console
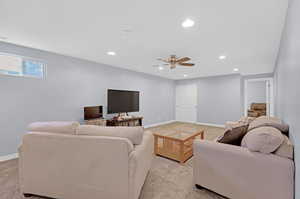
97 122
133 121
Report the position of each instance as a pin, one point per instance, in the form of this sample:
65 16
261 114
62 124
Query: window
21 66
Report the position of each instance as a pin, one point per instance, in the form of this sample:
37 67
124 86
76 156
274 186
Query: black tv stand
133 121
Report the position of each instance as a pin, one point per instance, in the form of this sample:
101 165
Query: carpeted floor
167 179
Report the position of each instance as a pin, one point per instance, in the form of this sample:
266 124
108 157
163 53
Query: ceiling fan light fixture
160 68
188 23
112 53
221 57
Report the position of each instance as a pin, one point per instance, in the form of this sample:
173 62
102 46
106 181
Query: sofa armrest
236 172
140 160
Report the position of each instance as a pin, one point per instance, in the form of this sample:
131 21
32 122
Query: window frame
29 59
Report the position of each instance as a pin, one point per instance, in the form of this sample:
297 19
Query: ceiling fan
173 61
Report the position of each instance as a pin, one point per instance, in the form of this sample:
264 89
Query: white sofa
84 165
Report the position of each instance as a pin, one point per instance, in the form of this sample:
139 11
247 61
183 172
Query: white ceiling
139 31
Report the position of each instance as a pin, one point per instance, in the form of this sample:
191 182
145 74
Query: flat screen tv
122 101
92 112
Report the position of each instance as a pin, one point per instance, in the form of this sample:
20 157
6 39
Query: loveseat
70 161
250 171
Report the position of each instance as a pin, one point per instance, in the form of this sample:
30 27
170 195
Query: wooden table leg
181 152
155 145
202 135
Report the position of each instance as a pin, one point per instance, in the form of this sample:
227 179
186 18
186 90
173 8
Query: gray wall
219 98
70 85
287 80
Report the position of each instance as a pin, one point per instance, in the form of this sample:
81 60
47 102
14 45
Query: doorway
258 97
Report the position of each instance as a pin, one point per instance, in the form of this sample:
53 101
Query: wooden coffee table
176 144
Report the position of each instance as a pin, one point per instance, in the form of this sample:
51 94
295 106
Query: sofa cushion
233 124
269 121
134 134
242 121
234 135
286 149
263 139
246 120
54 127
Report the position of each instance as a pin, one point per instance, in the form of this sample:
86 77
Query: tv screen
92 112
121 101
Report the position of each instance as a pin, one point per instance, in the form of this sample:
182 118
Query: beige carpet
167 179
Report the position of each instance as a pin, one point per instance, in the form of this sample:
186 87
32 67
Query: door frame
269 94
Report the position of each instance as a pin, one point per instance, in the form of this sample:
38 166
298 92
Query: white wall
70 85
256 92
219 98
287 81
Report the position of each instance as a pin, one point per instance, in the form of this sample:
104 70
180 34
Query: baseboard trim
211 124
205 124
158 124
9 157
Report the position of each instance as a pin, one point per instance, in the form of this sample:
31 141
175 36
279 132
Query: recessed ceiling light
127 30
160 68
187 23
235 69
111 53
185 75
222 57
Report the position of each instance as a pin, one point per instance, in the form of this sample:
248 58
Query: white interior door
186 102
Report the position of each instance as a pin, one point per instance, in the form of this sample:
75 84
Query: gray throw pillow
271 122
263 139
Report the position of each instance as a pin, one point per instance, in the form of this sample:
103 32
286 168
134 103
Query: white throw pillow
54 127
263 139
134 134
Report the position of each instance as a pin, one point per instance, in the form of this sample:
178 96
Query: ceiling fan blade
184 59
160 59
186 64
